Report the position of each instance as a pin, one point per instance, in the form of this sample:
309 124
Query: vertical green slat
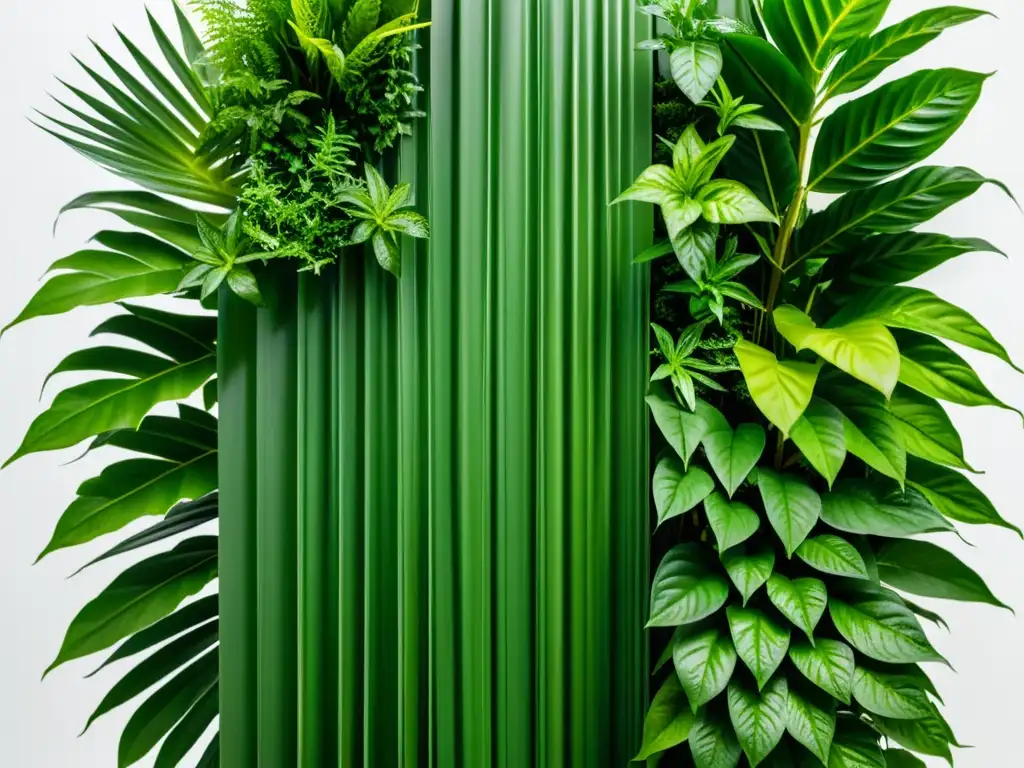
237 438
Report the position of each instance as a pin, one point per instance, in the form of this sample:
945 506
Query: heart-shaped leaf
682 429
882 628
713 743
759 641
759 718
891 695
821 437
749 571
685 588
829 665
733 453
802 601
793 507
731 521
696 66
781 390
812 725
834 555
704 663
668 720
677 490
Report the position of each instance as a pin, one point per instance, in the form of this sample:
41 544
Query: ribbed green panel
443 529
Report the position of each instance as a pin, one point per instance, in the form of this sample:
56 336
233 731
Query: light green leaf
892 128
881 627
731 521
781 390
141 595
728 202
362 19
704 663
829 664
696 66
750 571
713 743
758 718
655 184
926 569
685 588
733 453
855 746
680 212
821 437
954 495
856 506
656 251
759 641
683 430
668 720
793 507
695 246
802 601
925 429
833 555
676 490
864 349
811 725
926 736
891 695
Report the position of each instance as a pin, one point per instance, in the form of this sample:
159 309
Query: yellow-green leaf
782 390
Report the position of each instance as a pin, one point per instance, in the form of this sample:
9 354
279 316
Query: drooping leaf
766 164
890 694
855 746
781 390
759 641
927 736
954 495
856 506
881 627
696 65
704 663
189 730
733 453
792 506
862 348
926 569
749 570
829 664
821 437
677 490
682 429
868 427
897 758
731 521
713 743
811 724
802 601
833 555
685 588
668 720
925 429
758 717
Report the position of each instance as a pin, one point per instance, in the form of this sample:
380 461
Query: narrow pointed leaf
821 437
668 720
926 569
954 495
833 555
926 736
926 429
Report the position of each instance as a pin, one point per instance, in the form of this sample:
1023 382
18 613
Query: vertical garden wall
433 489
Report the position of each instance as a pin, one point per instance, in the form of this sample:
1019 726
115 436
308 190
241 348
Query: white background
39 722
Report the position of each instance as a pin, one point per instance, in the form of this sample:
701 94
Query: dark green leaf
925 428
685 589
792 506
704 663
855 746
749 571
186 734
833 555
731 521
925 569
856 506
713 743
890 694
821 437
869 429
812 725
802 601
927 736
759 641
668 720
954 495
881 627
758 718
829 665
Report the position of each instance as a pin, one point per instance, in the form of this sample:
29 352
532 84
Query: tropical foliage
261 143
803 446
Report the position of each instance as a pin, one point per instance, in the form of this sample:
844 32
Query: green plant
797 490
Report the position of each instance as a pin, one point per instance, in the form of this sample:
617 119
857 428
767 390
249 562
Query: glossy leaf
829 664
802 601
759 642
713 743
758 718
897 758
792 506
857 507
724 201
833 555
682 429
676 490
733 453
954 495
925 429
695 67
855 746
749 570
882 628
781 390
704 663
685 588
927 736
812 725
821 437
668 722
891 695
926 569
731 521
862 348
869 429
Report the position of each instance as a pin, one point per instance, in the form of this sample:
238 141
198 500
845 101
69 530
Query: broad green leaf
713 743
833 555
781 390
165 708
855 746
821 437
695 67
862 348
926 736
677 490
759 641
812 725
733 453
656 184
894 206
182 338
731 521
882 628
868 427
766 164
890 695
758 718
724 201
668 720
189 730
926 429
892 128
757 71
695 247
926 569
829 664
897 758
680 212
682 429
916 309
884 260
141 595
933 369
812 33
156 667
685 589
704 663
792 506
802 601
868 57
954 495
856 506
749 570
